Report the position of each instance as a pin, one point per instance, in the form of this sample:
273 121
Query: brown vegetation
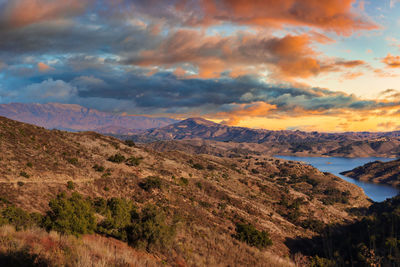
205 196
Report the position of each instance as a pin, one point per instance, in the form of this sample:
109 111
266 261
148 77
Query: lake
336 165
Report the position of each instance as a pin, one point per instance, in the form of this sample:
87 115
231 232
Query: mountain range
73 117
285 142
147 130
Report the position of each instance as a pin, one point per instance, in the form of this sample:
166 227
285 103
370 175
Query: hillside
297 143
204 197
377 172
78 118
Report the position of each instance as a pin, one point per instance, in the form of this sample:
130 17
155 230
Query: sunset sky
276 64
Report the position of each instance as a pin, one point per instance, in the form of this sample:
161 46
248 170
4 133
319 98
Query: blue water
335 165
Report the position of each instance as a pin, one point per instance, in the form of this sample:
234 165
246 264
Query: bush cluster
70 215
117 158
150 183
249 234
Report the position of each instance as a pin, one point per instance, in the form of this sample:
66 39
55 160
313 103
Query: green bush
133 161
118 215
73 161
24 174
70 185
117 158
249 234
19 218
150 231
150 183
183 181
70 215
198 166
313 225
98 168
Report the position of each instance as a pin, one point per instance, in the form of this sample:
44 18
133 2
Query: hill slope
377 172
206 195
78 118
298 143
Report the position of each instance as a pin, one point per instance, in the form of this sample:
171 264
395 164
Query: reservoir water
335 165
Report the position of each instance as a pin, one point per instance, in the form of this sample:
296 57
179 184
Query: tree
70 215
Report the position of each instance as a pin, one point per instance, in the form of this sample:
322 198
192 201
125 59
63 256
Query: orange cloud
245 53
21 13
391 61
335 15
241 111
43 67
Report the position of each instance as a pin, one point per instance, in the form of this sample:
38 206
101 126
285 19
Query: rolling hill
205 197
377 172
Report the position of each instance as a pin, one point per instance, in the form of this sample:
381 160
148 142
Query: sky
308 65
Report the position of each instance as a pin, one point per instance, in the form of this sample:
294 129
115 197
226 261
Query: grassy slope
226 191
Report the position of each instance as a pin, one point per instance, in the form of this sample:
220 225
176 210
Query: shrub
129 143
334 195
211 167
249 234
19 218
150 231
73 161
133 161
19 183
118 215
183 181
199 185
70 185
29 164
117 158
70 215
150 183
198 166
255 171
24 174
313 225
98 168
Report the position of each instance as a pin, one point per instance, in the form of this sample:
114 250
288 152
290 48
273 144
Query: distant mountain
78 118
285 142
377 172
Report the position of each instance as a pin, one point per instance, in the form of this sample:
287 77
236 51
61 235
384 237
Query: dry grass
36 247
225 191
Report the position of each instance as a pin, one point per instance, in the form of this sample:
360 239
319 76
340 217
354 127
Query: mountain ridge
74 117
377 172
284 142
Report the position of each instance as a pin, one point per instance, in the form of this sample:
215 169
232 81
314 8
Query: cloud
20 13
391 61
286 57
389 125
50 90
336 15
43 67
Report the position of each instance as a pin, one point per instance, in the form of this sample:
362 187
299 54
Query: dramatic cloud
19 13
289 56
335 15
227 59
